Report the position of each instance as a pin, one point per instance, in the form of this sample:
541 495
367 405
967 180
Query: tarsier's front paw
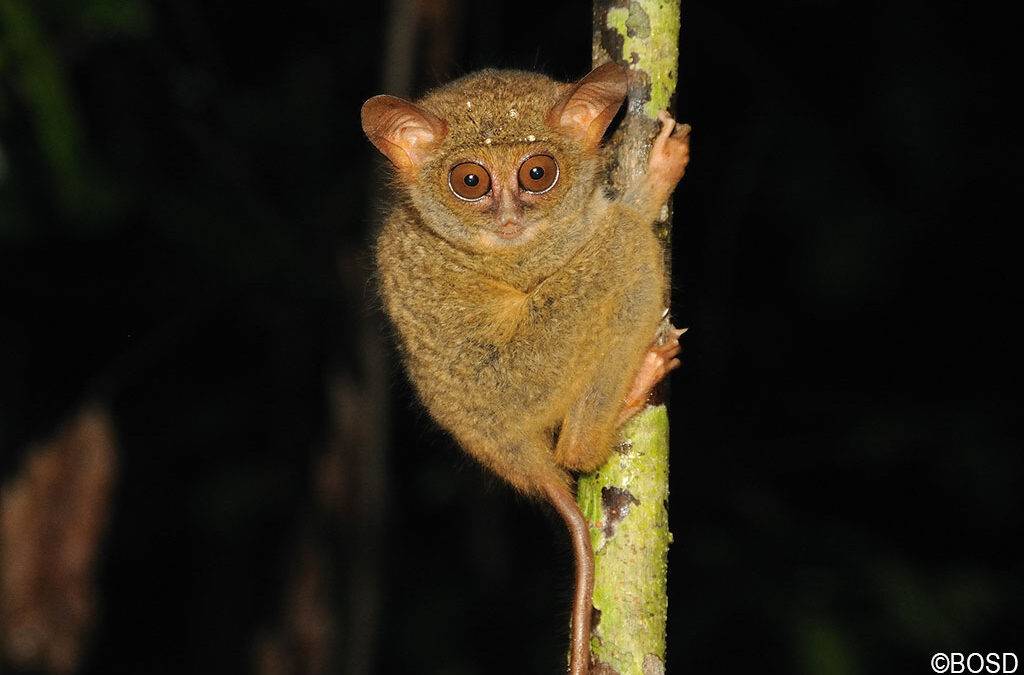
659 361
670 154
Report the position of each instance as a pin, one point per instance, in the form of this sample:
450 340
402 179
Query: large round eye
538 173
469 181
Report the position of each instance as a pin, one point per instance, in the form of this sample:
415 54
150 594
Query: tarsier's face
496 159
495 197
504 191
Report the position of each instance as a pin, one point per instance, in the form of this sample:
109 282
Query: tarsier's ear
403 131
588 106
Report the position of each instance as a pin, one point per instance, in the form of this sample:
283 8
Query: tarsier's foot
659 362
669 155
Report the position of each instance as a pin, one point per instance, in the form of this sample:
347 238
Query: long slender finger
668 125
669 350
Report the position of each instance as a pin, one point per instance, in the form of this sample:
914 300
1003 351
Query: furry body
526 316
524 353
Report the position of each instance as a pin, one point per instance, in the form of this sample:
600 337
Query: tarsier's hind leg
588 430
616 394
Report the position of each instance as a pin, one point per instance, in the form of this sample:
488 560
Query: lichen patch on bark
638 23
653 665
611 40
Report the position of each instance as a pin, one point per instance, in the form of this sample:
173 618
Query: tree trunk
626 500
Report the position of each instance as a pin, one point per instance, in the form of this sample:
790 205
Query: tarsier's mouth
510 229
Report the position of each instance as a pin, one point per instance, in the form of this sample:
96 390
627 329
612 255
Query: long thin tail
583 599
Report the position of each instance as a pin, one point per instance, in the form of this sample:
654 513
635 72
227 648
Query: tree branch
626 500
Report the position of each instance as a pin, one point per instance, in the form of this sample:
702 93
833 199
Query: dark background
186 201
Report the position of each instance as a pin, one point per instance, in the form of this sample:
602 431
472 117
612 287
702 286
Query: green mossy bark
626 500
650 42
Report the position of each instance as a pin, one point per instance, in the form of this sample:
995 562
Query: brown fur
526 320
524 351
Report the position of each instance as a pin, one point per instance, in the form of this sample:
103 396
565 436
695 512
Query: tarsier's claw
670 334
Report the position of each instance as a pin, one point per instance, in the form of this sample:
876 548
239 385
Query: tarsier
526 298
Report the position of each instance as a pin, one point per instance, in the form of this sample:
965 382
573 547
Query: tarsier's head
495 158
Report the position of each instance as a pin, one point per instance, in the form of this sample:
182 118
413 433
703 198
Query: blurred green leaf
36 74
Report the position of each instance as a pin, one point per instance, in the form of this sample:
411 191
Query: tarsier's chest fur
500 363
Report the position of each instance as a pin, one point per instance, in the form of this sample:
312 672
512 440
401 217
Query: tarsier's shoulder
398 259
417 273
400 243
